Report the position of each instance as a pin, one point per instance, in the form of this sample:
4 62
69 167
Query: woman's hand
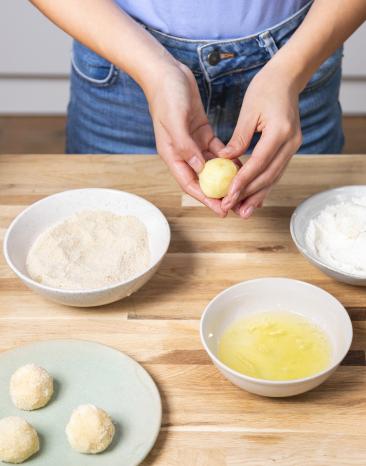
183 134
184 137
270 107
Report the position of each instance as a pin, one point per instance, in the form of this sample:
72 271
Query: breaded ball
90 429
31 387
216 177
18 440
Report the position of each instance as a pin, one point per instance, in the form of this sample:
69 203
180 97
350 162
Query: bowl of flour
87 247
329 229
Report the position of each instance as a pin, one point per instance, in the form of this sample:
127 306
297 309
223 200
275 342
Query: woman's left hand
270 106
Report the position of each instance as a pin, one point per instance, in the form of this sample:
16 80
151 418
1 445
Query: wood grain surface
207 421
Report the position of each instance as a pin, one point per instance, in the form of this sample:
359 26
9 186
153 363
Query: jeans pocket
91 67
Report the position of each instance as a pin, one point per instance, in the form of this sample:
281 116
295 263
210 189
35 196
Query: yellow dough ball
31 387
216 177
18 440
90 429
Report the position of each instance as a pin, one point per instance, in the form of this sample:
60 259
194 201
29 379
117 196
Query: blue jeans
108 112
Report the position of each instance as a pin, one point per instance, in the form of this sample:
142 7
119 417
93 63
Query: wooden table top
207 421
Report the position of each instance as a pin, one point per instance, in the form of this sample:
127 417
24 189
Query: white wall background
34 64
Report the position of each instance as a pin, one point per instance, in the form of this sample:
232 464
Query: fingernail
196 164
248 212
224 151
236 209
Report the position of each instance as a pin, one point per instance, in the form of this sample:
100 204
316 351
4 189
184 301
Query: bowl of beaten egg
87 247
276 337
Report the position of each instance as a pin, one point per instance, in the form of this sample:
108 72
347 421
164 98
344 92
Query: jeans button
214 57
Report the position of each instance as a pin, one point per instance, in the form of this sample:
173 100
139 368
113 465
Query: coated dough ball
18 440
90 429
31 387
216 176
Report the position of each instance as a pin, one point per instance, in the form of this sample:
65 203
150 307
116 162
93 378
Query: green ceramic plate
86 372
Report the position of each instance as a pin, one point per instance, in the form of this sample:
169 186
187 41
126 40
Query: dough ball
216 177
31 387
90 429
18 440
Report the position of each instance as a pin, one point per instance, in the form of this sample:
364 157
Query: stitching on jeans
113 73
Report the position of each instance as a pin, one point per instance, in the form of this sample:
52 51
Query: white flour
89 250
338 236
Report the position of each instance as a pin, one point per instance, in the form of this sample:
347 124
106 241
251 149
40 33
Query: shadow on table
169 278
163 434
332 390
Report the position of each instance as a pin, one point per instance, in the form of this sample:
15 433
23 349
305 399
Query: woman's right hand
184 137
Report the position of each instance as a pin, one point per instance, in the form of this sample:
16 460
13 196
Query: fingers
246 208
208 156
182 143
241 137
192 147
206 139
265 150
215 146
272 173
183 168
189 151
187 180
194 190
254 195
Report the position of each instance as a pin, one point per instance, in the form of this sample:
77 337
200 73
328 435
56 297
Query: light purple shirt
211 19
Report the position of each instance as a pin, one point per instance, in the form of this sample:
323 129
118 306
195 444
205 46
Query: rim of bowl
304 250
266 381
29 280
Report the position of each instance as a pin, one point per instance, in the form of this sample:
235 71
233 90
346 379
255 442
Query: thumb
189 151
184 146
241 138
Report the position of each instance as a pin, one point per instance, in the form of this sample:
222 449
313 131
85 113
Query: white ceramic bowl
281 294
39 216
309 209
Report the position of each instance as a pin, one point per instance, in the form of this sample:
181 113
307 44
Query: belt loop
266 40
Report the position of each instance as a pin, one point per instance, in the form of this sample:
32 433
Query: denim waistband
220 57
